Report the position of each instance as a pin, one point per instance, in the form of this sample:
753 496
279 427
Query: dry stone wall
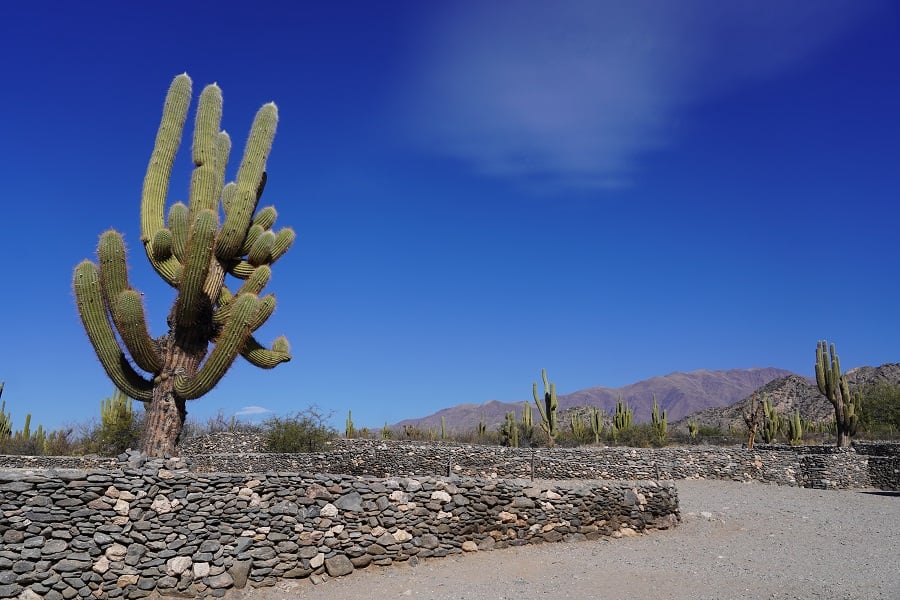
154 527
824 467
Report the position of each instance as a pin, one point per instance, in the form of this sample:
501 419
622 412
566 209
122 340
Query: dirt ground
736 540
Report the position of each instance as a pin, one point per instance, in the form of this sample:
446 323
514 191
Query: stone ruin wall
156 528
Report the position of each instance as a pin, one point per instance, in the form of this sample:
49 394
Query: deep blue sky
480 190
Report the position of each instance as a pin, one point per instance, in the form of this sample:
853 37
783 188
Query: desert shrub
881 409
306 431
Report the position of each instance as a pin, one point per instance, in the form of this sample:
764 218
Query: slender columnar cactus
386 433
795 428
218 233
752 418
622 418
509 431
596 420
576 423
5 418
772 423
443 428
481 430
548 406
116 410
527 416
659 423
349 428
693 429
833 385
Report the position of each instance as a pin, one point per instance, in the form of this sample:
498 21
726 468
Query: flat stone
222 580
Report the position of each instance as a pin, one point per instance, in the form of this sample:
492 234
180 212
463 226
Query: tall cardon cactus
548 407
193 247
833 385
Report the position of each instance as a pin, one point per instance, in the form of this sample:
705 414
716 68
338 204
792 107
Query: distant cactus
509 431
527 417
596 420
693 429
659 423
772 423
386 433
349 428
443 429
548 406
621 419
5 418
752 419
795 428
118 430
481 430
218 233
576 423
833 385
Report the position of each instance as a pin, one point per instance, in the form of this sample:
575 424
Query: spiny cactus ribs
219 232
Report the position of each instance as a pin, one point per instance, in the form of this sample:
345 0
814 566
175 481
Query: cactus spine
193 251
833 385
548 406
659 423
795 428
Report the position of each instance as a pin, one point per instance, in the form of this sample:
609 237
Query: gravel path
736 540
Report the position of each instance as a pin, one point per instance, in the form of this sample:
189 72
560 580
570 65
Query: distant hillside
679 393
787 394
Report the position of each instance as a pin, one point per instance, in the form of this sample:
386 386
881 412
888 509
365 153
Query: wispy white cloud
252 411
574 92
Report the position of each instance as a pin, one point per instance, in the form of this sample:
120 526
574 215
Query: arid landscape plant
218 233
833 385
548 407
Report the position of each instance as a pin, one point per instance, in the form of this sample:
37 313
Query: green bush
307 431
881 408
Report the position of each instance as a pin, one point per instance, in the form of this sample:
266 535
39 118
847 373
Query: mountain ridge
679 393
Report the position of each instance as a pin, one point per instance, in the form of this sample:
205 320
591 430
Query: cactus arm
250 179
156 181
206 178
253 285
260 356
191 300
284 239
162 244
135 333
179 223
95 318
233 337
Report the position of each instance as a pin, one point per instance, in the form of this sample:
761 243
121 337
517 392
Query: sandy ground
736 540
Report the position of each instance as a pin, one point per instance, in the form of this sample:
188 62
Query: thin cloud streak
572 94
252 411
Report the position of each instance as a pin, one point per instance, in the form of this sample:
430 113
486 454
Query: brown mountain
790 393
678 393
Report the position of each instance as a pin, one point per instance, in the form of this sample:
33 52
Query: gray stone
239 571
338 565
223 580
351 502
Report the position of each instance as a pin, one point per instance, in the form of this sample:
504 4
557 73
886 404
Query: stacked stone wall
153 528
